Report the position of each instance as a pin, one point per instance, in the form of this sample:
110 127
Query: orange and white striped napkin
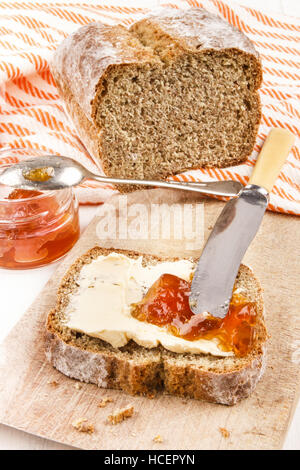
32 115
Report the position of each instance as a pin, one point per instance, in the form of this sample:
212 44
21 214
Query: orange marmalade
36 228
166 304
39 174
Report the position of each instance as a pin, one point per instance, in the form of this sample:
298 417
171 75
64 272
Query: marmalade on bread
166 304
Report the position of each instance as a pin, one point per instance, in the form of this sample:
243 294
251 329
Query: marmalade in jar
36 228
166 304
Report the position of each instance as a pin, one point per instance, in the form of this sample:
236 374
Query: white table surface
29 283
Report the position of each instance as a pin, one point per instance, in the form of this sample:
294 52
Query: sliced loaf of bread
139 370
177 91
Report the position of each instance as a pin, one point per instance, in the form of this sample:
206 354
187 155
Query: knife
217 268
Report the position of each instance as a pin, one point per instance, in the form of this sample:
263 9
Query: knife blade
237 225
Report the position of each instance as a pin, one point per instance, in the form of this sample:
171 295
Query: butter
107 288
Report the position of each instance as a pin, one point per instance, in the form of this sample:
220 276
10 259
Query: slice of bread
138 370
176 91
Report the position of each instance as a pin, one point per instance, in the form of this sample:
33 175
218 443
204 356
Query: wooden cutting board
38 399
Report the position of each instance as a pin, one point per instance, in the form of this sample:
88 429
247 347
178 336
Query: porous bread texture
138 370
175 92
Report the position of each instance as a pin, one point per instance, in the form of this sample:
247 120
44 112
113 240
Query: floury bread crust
137 370
176 91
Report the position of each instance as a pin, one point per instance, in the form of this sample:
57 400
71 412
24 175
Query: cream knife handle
274 153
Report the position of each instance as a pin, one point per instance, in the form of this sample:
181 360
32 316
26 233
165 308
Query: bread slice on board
176 91
138 370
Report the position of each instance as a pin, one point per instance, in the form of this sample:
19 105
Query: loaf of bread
176 91
139 370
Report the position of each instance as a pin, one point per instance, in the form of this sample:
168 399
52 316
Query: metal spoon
62 172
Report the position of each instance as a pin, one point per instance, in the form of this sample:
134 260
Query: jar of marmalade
36 228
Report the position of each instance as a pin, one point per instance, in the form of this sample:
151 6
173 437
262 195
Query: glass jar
36 228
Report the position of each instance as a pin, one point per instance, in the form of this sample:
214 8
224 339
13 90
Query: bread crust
197 27
137 370
83 59
145 379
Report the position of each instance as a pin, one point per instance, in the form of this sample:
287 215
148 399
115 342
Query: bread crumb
78 386
158 438
53 383
255 431
82 425
120 415
225 433
104 401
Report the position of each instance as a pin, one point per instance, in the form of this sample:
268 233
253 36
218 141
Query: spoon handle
217 188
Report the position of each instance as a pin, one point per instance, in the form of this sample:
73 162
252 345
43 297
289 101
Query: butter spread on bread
107 287
136 369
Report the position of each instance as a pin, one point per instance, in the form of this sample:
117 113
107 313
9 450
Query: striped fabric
32 115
